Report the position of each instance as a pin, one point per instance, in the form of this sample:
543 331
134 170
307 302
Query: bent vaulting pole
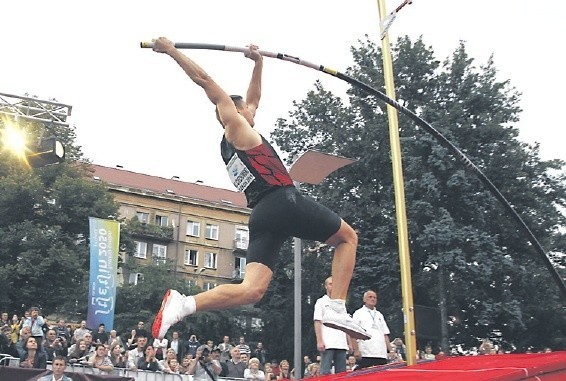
418 121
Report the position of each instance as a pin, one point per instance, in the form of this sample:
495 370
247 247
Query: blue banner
104 246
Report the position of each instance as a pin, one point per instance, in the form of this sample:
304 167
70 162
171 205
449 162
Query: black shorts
284 213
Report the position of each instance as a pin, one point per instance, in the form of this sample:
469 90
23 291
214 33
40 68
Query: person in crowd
174 367
400 348
177 344
279 209
268 371
203 367
284 370
184 366
101 336
393 356
87 338
244 358
165 362
134 355
25 332
132 340
99 359
225 348
36 322
33 358
313 370
58 367
352 364
485 347
62 331
209 345
117 357
242 346
428 355
6 345
160 346
235 366
253 372
306 362
115 339
141 330
54 346
260 353
330 342
275 367
16 326
79 352
4 319
148 361
79 333
374 351
192 345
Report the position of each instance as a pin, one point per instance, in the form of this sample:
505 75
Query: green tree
44 231
460 237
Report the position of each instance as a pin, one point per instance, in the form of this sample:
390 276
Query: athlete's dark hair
237 99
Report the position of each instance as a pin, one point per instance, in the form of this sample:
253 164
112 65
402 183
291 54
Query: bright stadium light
14 140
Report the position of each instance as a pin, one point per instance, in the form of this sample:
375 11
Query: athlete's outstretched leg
176 306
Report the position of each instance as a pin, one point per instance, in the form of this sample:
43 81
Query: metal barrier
9 360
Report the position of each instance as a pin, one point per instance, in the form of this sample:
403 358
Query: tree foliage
457 230
44 253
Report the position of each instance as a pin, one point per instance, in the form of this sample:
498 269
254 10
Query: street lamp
311 167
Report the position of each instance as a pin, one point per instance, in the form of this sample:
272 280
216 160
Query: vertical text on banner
104 246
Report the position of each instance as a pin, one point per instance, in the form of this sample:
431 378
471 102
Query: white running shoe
169 313
341 321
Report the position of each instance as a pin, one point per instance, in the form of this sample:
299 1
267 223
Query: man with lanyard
279 209
374 351
35 323
58 367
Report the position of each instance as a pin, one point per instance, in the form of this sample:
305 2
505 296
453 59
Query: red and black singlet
255 171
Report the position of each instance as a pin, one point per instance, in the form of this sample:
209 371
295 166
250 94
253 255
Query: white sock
189 305
338 305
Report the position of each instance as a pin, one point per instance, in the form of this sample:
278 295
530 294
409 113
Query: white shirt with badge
374 323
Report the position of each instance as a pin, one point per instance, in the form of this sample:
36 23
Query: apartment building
202 229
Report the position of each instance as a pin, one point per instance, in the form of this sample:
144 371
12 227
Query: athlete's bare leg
251 290
345 241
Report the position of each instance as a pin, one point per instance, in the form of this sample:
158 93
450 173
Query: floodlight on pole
49 151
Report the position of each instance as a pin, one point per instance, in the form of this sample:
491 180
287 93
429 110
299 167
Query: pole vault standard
418 121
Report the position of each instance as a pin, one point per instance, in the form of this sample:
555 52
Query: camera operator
54 345
203 367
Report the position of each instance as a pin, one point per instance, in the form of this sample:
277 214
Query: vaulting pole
419 122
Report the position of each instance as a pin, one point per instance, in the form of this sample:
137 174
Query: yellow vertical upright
402 231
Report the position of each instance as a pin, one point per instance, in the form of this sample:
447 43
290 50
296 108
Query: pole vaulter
418 121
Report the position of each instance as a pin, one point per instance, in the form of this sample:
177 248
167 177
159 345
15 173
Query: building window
161 220
159 253
191 257
135 278
239 268
210 260
141 249
242 238
209 286
211 231
142 217
193 228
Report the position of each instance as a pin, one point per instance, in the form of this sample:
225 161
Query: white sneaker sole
359 334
